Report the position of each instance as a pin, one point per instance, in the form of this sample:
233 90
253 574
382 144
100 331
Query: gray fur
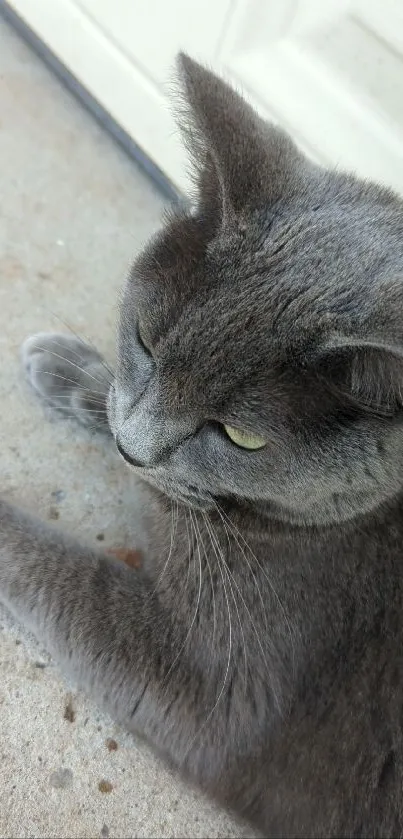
260 650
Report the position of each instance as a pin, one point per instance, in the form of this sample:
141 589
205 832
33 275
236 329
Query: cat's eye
243 439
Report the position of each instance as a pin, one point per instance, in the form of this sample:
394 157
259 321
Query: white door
329 71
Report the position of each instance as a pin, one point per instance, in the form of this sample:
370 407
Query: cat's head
260 352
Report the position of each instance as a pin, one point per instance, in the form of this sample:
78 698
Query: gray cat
258 392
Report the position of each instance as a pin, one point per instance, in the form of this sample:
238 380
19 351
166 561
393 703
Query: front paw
69 374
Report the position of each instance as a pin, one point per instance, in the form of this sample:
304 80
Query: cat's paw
69 375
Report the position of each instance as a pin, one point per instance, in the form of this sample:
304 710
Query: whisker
211 712
276 698
92 427
189 632
174 522
90 392
97 425
189 550
229 575
80 338
62 347
63 410
79 411
73 364
272 587
70 381
232 530
196 524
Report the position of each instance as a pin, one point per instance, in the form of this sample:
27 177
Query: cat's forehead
210 352
303 259
229 304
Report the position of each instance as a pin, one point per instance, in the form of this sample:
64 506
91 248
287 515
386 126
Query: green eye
243 439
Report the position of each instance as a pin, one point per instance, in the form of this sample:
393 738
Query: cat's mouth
183 493
191 496
196 502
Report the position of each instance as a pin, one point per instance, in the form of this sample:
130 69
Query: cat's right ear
242 162
367 372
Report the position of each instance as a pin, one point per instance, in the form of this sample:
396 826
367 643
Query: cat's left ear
242 161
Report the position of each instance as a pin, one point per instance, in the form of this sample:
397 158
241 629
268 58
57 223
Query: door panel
152 33
330 72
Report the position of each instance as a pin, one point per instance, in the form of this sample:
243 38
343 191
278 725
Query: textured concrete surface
73 210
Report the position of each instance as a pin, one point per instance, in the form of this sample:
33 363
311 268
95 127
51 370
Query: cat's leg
69 375
106 625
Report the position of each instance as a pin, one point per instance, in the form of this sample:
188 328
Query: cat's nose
128 457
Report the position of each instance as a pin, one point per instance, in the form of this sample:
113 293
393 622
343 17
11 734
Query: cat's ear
367 372
242 161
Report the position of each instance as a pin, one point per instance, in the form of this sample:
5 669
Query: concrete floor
73 211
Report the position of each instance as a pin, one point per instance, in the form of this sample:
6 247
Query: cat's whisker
70 381
189 632
272 587
258 638
84 339
205 554
72 363
231 529
62 347
221 692
90 398
97 425
99 416
65 415
64 412
54 403
174 522
189 551
229 575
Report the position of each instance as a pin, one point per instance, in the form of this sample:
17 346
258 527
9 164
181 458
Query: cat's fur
261 648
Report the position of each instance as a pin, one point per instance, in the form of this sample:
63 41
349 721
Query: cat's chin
189 496
195 501
201 505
